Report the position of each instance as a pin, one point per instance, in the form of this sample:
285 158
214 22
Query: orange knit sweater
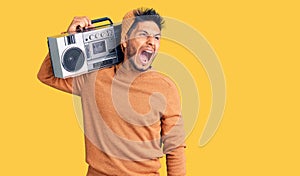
130 120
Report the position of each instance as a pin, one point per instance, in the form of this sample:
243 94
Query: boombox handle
98 20
101 20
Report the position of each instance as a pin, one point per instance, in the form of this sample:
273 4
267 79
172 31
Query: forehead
148 26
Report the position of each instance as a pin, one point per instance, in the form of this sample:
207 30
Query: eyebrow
148 33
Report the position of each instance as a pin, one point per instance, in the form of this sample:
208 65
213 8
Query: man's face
143 44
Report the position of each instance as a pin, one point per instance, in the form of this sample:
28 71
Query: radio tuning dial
97 35
91 37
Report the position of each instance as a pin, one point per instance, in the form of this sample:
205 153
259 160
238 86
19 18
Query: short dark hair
146 14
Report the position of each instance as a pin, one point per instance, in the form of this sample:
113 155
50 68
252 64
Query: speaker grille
73 59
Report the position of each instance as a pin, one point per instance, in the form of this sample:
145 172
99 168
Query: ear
124 44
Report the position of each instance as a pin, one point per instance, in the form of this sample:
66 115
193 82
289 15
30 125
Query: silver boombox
85 51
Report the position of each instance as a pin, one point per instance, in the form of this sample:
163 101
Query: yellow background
258 46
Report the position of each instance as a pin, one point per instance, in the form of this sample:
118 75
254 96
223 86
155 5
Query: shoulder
161 82
159 77
168 88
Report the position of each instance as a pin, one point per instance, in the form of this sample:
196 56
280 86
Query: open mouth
146 56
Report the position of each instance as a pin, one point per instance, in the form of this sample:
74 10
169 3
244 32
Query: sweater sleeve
176 161
173 135
46 76
174 148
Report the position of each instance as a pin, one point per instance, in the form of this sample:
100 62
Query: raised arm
45 73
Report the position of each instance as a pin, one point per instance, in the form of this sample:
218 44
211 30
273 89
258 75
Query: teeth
149 55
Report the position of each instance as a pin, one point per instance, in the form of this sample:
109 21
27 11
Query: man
129 110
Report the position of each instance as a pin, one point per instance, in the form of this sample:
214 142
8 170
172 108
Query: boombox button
103 34
97 35
91 37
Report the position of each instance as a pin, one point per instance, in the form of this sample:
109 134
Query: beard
139 60
137 66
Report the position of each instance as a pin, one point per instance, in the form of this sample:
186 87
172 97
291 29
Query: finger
87 22
79 22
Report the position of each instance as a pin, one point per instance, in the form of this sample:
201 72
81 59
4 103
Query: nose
150 40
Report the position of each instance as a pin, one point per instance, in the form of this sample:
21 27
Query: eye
157 37
142 34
